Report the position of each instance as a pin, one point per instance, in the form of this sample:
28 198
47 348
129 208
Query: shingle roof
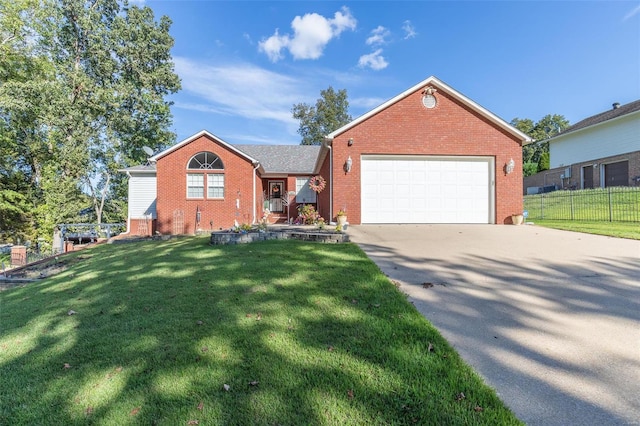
603 116
283 158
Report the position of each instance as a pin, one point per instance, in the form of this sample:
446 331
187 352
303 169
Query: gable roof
273 159
440 86
169 150
284 159
602 117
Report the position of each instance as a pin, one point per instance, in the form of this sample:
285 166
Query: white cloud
632 13
409 30
239 90
273 46
366 103
311 34
374 60
378 36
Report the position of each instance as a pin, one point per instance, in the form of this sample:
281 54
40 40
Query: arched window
213 181
205 160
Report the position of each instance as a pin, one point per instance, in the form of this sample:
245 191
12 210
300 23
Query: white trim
489 160
208 185
256 165
282 191
190 139
553 139
440 86
313 195
204 186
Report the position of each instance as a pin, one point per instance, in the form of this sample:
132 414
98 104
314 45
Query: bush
307 214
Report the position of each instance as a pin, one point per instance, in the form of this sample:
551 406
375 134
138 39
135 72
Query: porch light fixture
347 165
508 168
350 142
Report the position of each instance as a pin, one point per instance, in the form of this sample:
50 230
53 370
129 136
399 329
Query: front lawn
629 230
180 332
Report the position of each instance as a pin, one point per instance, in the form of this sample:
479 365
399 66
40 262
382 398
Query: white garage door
427 189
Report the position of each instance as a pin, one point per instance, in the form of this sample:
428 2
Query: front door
275 195
587 177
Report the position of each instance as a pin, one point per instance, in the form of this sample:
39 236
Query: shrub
307 214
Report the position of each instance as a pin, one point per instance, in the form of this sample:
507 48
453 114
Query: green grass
617 204
301 333
629 230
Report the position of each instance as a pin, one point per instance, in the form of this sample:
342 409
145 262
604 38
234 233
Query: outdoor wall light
350 142
508 168
347 165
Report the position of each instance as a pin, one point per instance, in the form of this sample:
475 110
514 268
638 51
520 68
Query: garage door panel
426 190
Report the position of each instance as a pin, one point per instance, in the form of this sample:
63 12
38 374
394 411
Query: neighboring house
597 152
429 155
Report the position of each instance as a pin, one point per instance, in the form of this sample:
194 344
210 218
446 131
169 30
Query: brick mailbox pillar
18 255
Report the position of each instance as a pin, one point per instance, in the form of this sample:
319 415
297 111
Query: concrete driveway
550 319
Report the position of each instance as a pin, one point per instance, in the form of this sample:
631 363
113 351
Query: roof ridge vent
616 105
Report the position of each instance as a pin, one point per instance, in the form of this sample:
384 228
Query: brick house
600 151
428 155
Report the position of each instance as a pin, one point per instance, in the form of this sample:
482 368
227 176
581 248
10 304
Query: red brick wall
172 190
142 227
407 127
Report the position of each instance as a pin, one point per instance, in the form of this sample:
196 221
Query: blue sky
244 64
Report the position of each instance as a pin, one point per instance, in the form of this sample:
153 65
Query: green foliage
611 229
14 216
544 163
330 113
537 152
300 333
82 89
308 215
530 168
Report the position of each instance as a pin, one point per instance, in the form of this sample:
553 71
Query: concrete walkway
550 319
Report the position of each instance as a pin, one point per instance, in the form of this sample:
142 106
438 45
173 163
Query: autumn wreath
317 183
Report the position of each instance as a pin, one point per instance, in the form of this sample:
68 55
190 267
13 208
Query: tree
82 89
535 156
329 114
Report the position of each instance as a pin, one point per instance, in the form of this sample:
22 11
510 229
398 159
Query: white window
304 194
195 185
215 186
205 160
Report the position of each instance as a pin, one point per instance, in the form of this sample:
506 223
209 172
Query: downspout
257 164
128 215
330 180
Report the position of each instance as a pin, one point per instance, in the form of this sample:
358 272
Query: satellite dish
147 150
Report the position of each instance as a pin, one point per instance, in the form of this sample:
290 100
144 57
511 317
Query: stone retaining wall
222 238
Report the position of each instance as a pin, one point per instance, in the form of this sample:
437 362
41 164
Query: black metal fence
614 204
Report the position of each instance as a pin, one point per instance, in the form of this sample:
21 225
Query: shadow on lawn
498 314
158 332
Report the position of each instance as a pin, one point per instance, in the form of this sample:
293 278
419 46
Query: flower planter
517 219
341 220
